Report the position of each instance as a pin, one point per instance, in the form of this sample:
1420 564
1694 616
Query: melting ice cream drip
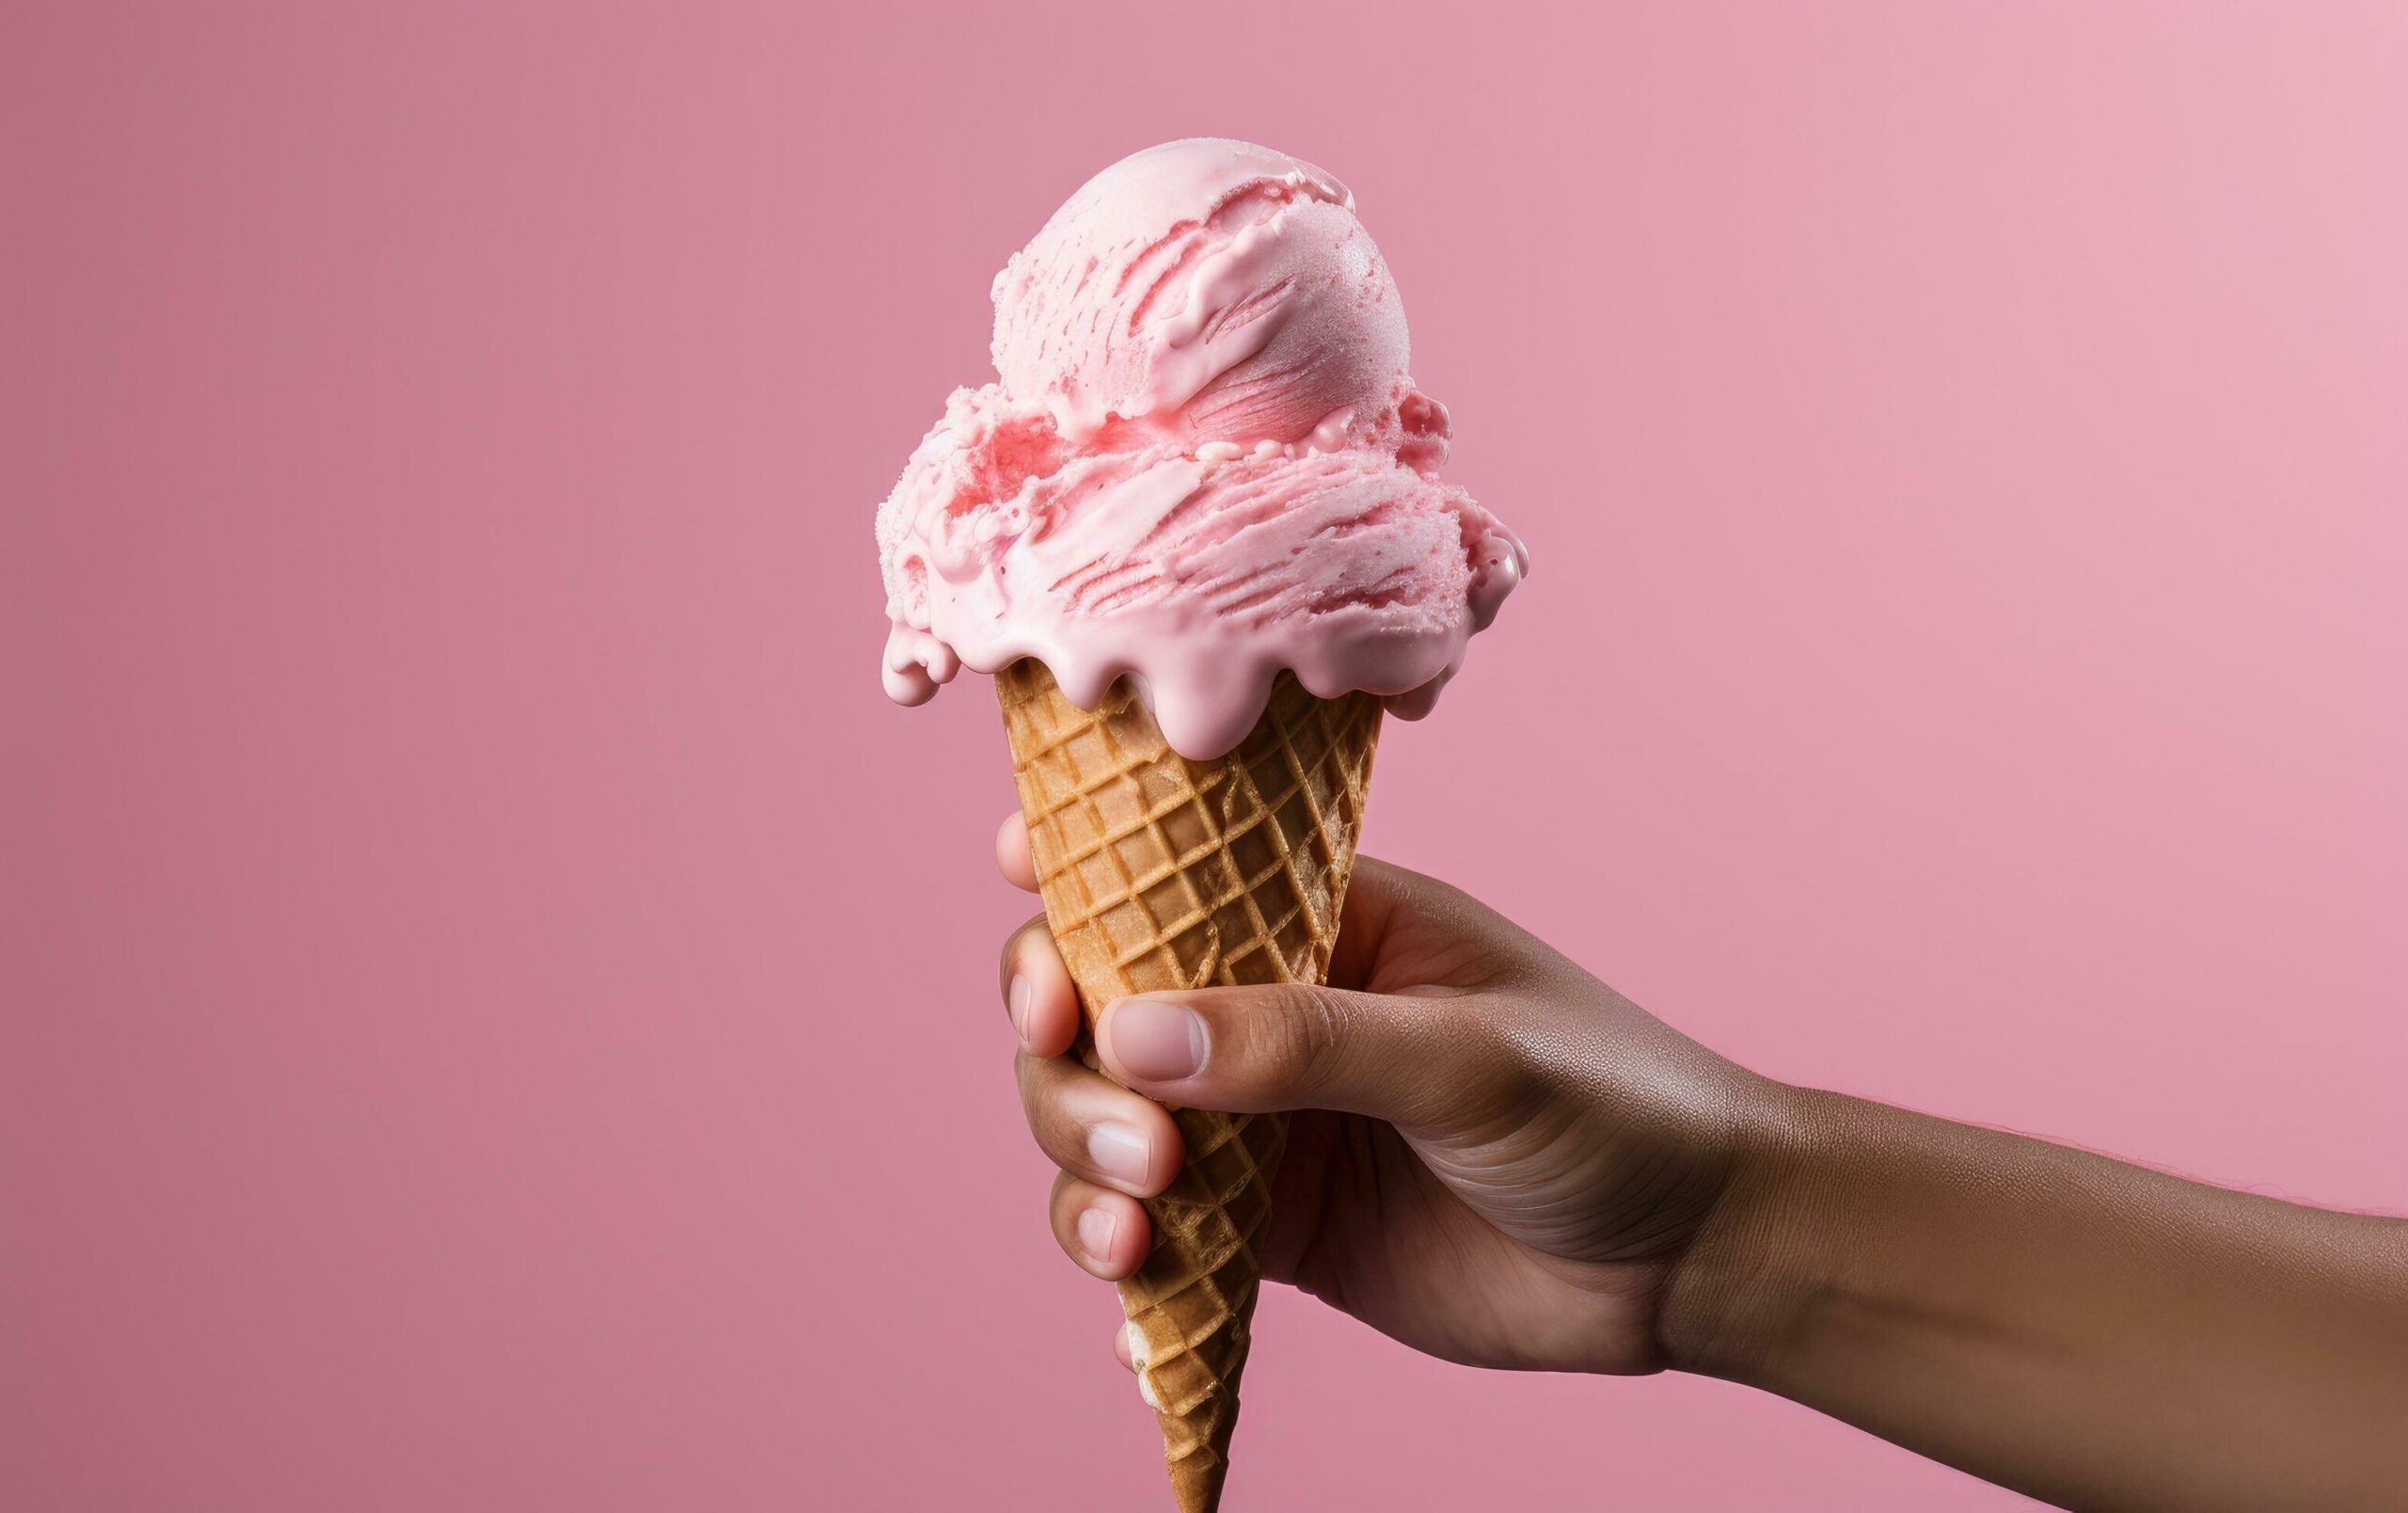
1231 478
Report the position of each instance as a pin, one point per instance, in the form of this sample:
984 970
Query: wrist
1745 1283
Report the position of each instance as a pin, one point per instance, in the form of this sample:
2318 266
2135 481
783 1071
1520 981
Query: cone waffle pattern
1159 873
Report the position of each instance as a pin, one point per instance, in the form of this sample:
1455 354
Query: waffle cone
1159 873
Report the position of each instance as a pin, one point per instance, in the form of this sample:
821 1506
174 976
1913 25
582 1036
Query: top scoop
1205 462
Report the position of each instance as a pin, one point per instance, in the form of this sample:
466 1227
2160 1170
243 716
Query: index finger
1011 853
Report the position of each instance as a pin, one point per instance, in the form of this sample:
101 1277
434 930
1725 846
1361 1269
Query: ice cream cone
1162 873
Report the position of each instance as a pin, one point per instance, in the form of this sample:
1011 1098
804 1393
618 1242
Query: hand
1503 1162
1495 1157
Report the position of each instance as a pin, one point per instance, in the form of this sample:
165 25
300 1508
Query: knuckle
1062 1205
1040 1096
1313 1025
1009 955
1498 1072
1018 940
1028 952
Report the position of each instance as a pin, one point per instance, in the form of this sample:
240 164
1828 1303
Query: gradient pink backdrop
499 1011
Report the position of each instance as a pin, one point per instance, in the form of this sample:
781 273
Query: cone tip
1196 1481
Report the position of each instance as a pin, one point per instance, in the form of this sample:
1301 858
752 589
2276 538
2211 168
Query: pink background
500 1010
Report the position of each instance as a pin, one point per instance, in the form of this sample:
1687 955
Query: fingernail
1159 1042
1119 1151
1016 998
1096 1232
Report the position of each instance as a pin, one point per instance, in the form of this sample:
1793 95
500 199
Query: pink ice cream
1205 462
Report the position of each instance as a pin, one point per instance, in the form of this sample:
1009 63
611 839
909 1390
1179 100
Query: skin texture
1500 1161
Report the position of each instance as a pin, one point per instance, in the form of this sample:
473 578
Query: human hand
1497 1159
1494 1157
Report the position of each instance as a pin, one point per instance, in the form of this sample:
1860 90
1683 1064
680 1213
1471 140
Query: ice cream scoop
1214 290
1204 461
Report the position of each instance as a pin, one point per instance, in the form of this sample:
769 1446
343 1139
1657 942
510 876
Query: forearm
2086 1331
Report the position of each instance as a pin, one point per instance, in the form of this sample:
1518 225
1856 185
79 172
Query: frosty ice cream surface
1204 461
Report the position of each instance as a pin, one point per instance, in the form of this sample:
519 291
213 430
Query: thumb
1291 1046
